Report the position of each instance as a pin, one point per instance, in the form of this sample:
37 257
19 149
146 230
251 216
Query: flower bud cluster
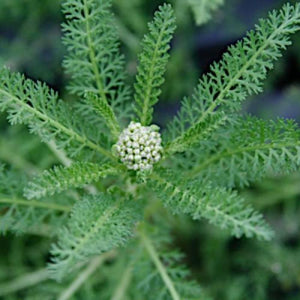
139 147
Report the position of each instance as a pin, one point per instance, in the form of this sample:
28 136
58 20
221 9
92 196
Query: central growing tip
139 147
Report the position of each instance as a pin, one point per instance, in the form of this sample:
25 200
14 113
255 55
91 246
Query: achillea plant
123 182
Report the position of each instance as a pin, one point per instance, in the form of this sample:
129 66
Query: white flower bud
130 157
139 147
157 158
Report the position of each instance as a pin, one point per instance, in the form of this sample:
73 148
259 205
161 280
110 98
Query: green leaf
93 59
98 224
239 74
20 215
221 207
196 134
249 150
152 62
38 106
100 106
60 179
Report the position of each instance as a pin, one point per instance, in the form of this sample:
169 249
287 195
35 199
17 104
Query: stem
47 205
24 282
60 154
79 281
122 287
159 265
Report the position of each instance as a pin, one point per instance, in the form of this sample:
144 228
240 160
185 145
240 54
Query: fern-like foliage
19 215
221 207
159 272
203 9
208 151
60 179
191 136
239 74
37 106
251 149
97 224
93 58
152 62
102 109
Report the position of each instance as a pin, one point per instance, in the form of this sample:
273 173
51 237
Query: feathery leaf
93 59
219 206
152 62
20 215
97 225
248 151
239 74
60 179
37 106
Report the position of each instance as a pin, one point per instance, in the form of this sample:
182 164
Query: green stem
33 203
159 265
59 153
124 283
24 282
84 275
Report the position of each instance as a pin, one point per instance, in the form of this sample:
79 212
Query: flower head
139 147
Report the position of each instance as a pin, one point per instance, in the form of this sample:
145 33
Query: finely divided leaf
98 224
221 207
248 151
38 106
20 215
192 136
239 74
60 178
93 59
152 62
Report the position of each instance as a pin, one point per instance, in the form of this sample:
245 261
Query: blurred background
227 268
